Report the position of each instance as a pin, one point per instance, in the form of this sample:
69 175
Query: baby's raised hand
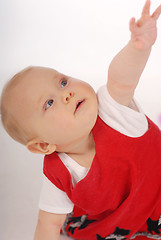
144 31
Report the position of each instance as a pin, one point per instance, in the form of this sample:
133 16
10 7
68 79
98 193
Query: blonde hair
9 120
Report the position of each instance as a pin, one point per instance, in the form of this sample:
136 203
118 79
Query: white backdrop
78 38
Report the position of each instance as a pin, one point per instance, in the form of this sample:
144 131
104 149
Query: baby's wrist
139 46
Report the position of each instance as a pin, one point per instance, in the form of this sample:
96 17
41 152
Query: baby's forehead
27 79
19 92
38 73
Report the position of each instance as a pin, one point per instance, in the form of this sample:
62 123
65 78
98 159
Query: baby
102 154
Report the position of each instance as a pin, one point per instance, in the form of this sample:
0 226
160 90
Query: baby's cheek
66 125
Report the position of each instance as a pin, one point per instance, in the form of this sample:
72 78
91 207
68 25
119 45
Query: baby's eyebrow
63 77
39 101
58 77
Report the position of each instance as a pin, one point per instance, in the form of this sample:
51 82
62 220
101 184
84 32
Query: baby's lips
78 104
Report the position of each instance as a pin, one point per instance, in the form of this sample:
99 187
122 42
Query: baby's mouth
79 104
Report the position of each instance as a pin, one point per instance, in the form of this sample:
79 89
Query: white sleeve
54 200
130 121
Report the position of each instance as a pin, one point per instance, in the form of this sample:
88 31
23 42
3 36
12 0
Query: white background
78 38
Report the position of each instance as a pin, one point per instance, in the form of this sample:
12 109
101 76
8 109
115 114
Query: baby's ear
37 146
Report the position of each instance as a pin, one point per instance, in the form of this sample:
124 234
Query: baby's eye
63 83
49 104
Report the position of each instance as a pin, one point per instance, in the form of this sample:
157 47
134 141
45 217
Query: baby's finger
146 9
132 24
157 13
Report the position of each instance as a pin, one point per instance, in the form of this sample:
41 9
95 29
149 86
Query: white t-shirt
130 121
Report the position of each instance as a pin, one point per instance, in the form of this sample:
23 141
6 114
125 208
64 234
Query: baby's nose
68 96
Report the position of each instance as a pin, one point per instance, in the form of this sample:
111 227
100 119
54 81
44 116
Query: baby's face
61 110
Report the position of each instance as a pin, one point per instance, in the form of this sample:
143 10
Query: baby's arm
49 225
127 66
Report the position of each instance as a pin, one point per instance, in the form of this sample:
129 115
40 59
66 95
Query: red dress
121 195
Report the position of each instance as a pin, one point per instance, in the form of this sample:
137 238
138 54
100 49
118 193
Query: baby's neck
84 146
83 152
